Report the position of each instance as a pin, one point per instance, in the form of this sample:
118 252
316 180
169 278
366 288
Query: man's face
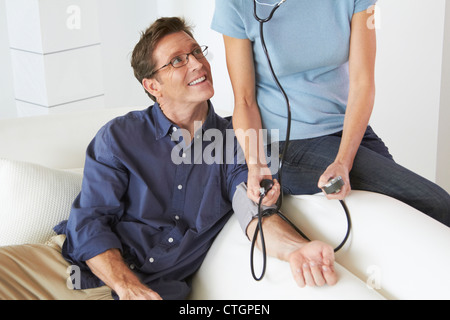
188 85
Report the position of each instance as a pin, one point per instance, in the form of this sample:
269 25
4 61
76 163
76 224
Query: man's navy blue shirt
162 216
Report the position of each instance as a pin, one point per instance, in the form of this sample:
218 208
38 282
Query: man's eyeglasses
182 60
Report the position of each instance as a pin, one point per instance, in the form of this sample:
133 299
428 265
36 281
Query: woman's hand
255 175
336 169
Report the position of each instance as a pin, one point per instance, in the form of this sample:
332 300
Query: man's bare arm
312 263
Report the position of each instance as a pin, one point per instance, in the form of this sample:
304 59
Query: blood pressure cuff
245 209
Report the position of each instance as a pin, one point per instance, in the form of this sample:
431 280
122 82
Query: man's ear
152 86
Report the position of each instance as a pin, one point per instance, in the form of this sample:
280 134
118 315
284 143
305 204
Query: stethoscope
275 78
266 185
275 7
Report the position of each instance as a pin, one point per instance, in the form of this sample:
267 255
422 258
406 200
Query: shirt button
132 266
151 260
180 187
184 155
177 218
174 129
170 240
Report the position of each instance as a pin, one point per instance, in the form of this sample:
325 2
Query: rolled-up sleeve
99 206
361 5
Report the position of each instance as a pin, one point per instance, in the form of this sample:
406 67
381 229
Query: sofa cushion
33 199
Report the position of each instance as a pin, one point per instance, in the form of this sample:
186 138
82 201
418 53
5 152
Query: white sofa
394 252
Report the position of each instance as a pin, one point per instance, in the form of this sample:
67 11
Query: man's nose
193 62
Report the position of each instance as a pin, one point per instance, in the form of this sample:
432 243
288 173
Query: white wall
411 110
7 103
121 22
443 156
408 80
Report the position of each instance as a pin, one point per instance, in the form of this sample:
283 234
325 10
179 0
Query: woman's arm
246 116
360 101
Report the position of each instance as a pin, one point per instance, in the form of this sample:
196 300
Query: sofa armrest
393 249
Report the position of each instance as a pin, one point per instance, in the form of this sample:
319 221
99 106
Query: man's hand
137 291
111 269
313 265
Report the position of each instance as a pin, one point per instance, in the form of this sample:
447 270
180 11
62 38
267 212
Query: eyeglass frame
186 60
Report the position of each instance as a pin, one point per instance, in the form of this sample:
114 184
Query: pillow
33 199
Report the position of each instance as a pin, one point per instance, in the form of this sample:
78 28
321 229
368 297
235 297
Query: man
143 222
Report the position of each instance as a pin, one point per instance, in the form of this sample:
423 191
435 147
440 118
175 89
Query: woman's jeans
373 170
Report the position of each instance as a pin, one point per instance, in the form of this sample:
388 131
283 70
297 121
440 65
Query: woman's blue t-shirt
308 42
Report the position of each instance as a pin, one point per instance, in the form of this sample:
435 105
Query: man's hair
142 59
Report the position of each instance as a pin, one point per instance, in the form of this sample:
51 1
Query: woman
323 53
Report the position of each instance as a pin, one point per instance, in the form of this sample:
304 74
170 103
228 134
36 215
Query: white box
50 80
46 26
25 109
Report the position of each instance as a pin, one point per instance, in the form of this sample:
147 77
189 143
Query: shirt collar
164 126
211 118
